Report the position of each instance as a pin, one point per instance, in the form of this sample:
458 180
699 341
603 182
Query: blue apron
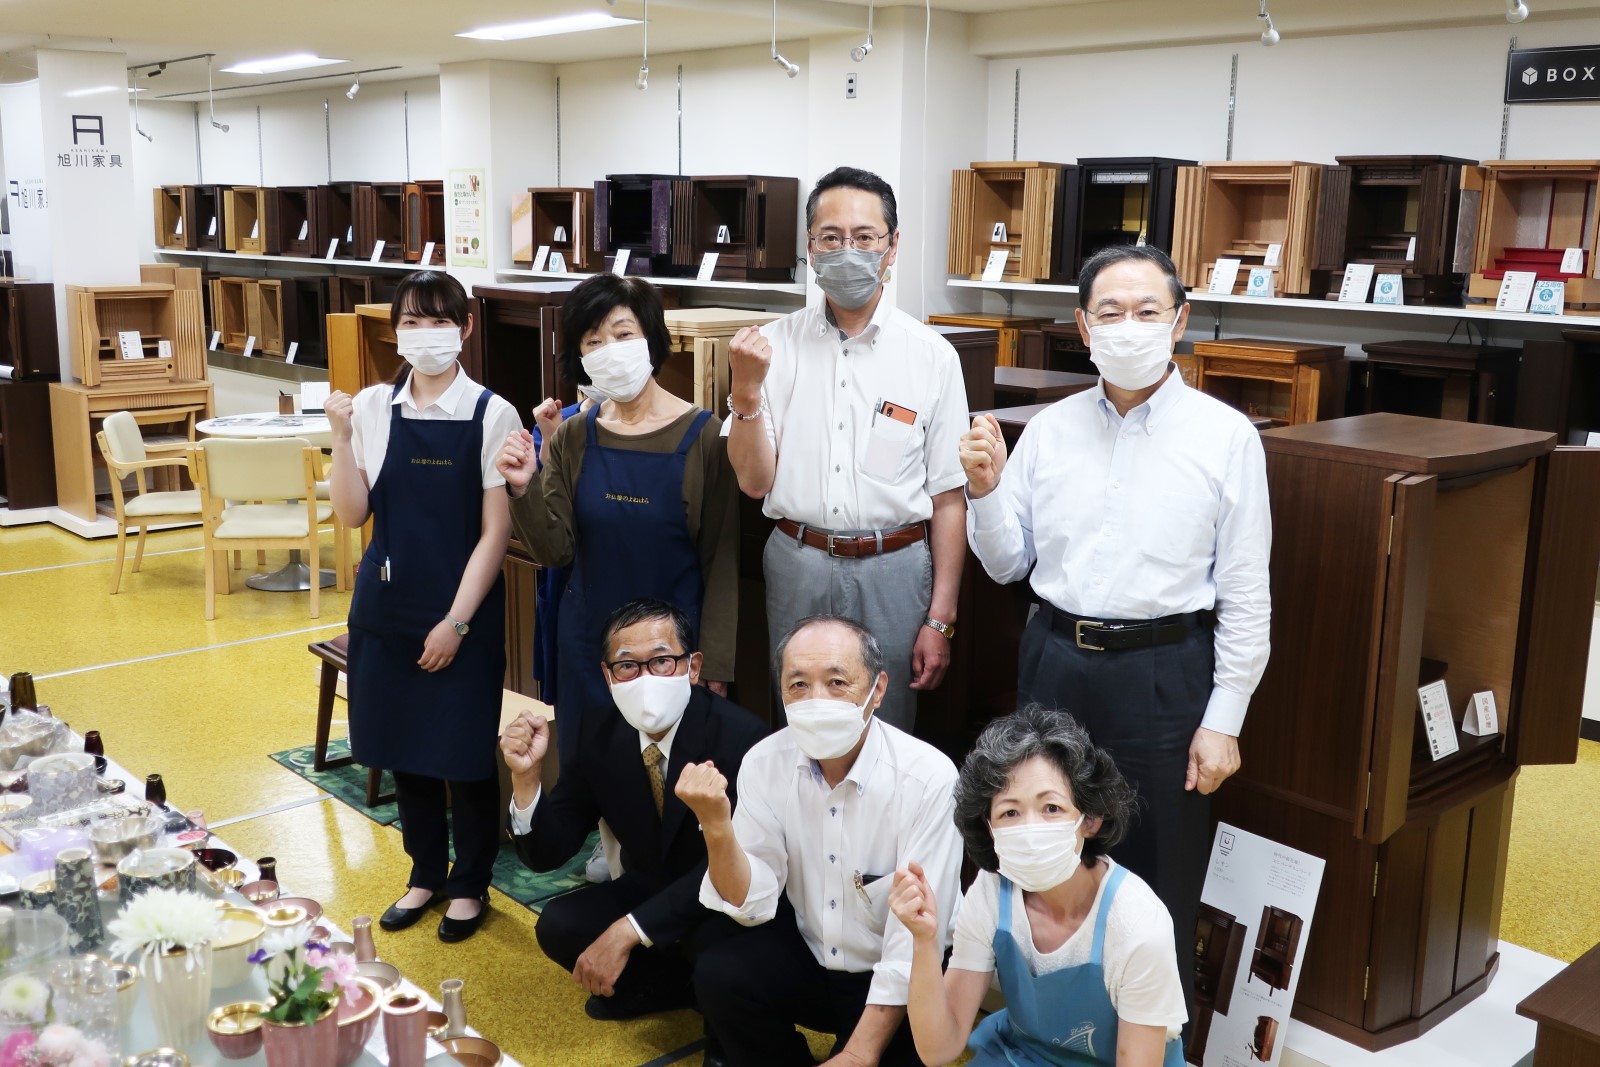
1058 1019
548 587
427 517
632 541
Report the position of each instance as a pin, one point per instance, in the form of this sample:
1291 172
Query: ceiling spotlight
211 98
1516 11
862 50
789 68
1269 34
140 131
157 71
137 128
350 93
643 80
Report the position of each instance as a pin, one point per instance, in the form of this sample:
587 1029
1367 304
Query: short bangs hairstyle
1098 788
430 294
588 306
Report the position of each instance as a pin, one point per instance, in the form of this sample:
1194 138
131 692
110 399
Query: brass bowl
232 878
235 1029
312 909
387 975
437 1021
230 951
157 1057
280 916
473 1051
261 891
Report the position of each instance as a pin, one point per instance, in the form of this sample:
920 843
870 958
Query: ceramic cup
405 1029
61 782
38 891
155 868
78 900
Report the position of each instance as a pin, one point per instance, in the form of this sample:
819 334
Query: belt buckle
831 552
1077 634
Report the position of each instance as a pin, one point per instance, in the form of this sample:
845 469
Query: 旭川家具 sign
1553 75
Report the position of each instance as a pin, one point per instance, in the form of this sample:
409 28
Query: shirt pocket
1178 528
873 899
892 447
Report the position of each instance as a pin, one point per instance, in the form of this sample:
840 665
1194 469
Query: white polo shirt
370 422
842 463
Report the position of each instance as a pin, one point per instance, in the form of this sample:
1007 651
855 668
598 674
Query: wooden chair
334 654
260 494
123 449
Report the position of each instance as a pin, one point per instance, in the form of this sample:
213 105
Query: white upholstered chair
123 448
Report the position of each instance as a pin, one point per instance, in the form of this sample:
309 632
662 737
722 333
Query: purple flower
318 945
258 956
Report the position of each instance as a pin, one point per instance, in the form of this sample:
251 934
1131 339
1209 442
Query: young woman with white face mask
635 494
1083 947
427 621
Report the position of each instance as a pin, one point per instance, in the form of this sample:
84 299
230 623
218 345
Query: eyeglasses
626 670
1147 313
832 242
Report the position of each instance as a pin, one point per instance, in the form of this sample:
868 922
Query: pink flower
16 1047
315 957
341 972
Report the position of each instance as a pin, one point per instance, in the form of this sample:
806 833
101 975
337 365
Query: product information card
312 396
1549 298
708 267
1516 289
995 268
1357 283
1388 289
1438 720
1572 261
1274 256
540 257
1481 719
1260 284
131 344
1249 940
1223 275
619 265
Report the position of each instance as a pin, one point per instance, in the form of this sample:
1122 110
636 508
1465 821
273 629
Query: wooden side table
1020 386
1286 381
75 410
1568 1014
704 333
1010 328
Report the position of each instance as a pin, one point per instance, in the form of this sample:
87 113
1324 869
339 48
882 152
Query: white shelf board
1410 310
331 264
794 288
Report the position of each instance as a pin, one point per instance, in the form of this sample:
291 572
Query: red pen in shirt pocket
898 412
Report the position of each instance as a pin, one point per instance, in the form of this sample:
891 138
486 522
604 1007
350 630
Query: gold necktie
658 780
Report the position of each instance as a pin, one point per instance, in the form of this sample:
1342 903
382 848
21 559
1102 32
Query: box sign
1552 75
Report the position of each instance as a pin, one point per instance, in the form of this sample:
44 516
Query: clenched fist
749 359
705 790
983 456
340 408
524 744
913 903
517 462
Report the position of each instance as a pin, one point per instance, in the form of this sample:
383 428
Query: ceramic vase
405 1029
178 988
299 1045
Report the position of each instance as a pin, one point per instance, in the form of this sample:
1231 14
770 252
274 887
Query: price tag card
998 236
1481 719
723 236
1516 289
1572 261
163 349
1274 257
333 248
294 348
249 345
305 230
1223 275
560 236
558 263
995 268
540 256
216 339
178 227
1357 282
1388 289
1411 249
212 231
427 254
1549 298
255 229
131 343
377 250
619 265
1260 283
1438 719
708 267
312 396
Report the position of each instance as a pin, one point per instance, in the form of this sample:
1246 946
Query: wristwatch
948 629
461 627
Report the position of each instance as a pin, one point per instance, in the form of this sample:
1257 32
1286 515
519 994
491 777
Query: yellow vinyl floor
204 703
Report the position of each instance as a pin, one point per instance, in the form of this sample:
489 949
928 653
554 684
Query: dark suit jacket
604 777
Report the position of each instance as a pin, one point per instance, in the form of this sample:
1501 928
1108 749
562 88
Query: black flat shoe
398 918
453 930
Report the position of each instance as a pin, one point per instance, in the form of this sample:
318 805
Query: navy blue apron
427 517
1061 1019
632 541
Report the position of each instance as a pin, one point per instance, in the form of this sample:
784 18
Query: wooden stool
334 656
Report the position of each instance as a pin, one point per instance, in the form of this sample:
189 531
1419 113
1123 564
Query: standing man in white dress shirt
846 417
1141 508
829 808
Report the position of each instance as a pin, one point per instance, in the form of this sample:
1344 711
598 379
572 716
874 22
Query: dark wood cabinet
336 207
210 221
1219 940
1398 213
1568 1015
978 350
28 342
1407 549
1122 200
749 220
1558 385
310 317
1277 941
1055 346
1009 328
27 451
380 216
346 292
1461 382
641 212
424 221
294 223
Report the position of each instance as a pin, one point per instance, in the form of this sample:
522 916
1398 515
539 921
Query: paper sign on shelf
1223 275
249 345
255 229
540 256
427 254
350 234
1572 261
1549 298
212 230
1274 256
177 228
216 339
708 267
1516 289
163 349
333 248
1481 719
305 230
998 236
1357 282
312 396
723 236
1438 719
560 236
558 263
1592 440
1260 284
131 343
377 251
995 268
294 348
619 264
1411 249
1388 289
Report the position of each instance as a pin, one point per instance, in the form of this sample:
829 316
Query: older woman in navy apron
636 494
427 621
1083 947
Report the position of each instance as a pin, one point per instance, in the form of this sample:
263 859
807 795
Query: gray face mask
849 276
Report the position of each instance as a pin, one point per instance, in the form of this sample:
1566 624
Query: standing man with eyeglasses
846 418
1141 509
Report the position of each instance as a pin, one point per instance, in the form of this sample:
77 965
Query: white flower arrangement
24 999
163 921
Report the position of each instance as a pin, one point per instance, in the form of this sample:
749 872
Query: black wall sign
1549 75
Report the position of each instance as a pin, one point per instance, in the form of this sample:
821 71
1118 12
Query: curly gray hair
1098 788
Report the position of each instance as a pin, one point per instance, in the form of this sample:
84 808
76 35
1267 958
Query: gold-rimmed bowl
387 975
261 891
358 1018
235 1029
473 1051
157 1057
280 915
230 951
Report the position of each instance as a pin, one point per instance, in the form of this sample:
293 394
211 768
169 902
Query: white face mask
619 370
827 729
652 704
1038 856
1132 355
430 350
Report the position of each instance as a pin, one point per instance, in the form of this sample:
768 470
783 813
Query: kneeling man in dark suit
625 940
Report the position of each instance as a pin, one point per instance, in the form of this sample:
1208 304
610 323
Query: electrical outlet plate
849 86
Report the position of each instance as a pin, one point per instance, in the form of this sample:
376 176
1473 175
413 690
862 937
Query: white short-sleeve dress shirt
370 422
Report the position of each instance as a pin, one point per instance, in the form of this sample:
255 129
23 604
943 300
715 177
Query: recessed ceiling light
131 89
298 61
517 31
95 91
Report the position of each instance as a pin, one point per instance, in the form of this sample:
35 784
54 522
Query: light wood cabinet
1008 327
1525 214
1028 199
244 220
176 216
698 369
1286 381
1239 210
563 219
97 315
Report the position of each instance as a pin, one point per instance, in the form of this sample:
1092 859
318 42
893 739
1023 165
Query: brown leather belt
855 546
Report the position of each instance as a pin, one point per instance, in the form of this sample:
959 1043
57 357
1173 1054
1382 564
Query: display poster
1260 284
468 222
1249 941
1549 298
1388 289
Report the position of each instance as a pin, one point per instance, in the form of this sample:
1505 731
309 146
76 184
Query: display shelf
1411 310
794 288
332 264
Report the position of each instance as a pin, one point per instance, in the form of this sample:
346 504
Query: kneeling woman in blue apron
427 622
1083 947
636 494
